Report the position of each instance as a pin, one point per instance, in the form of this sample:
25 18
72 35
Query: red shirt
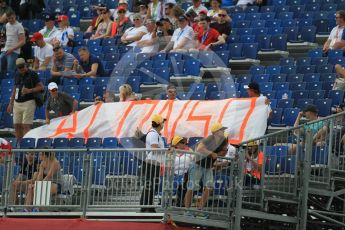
208 37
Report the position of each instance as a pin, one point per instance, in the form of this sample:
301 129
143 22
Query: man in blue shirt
90 65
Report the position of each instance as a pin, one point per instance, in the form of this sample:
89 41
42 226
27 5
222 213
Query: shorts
24 112
196 172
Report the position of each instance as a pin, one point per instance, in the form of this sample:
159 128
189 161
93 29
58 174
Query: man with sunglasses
22 101
49 30
59 104
222 25
122 3
336 39
43 52
62 63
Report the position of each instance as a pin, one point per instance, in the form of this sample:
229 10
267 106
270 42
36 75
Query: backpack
141 143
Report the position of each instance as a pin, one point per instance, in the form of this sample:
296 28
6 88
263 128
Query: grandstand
277 45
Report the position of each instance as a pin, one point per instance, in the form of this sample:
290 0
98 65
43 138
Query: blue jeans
9 60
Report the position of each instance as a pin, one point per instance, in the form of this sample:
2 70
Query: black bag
39 96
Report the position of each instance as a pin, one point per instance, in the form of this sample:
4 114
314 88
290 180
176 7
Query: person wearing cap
135 33
49 28
253 165
164 32
169 14
183 37
65 33
4 8
203 167
155 10
149 42
143 9
182 164
253 90
152 165
197 7
43 52
339 83
97 19
222 24
124 4
62 63
208 37
15 39
121 23
22 102
90 65
126 93
59 104
104 28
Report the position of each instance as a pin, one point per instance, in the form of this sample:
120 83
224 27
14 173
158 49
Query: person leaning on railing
253 165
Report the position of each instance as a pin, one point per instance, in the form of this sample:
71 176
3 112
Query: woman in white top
155 10
104 28
65 32
135 33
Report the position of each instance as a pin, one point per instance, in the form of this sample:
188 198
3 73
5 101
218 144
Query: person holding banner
203 168
152 165
126 93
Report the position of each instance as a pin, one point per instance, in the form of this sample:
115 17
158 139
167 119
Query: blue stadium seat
321 26
273 69
69 81
221 58
267 9
269 94
110 142
289 61
285 15
314 53
292 33
160 64
242 24
258 24
177 68
182 96
273 23
238 16
28 143
311 77
86 81
12 141
308 34
268 16
252 16
260 31
247 38
44 142
337 97
257 69
306 69
69 89
276 118
295 77
285 103
244 78
328 77
146 64
316 94
76 143
282 93
192 141
278 86
101 80
289 116
261 78
328 85
86 93
324 106
206 59
303 102
302 61
111 50
297 9
99 90
319 155
196 88
266 86
159 56
337 60
197 96
60 143
235 50
279 2
192 67
319 61
288 69
250 51
134 82
314 86
298 94
278 77
264 42
162 75
217 95
212 88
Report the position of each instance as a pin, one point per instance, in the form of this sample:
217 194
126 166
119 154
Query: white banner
246 118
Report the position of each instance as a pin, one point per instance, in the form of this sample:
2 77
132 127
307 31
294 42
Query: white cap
52 85
170 1
245 87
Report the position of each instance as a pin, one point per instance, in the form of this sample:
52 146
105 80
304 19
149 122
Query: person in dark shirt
222 25
203 167
89 64
59 104
22 101
27 175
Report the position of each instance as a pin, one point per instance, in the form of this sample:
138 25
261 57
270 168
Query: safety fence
294 176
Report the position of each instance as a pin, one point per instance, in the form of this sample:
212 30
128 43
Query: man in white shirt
15 39
49 29
152 165
149 42
183 37
197 7
43 53
336 39
135 33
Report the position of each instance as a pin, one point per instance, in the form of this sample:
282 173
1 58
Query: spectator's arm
52 171
47 116
326 45
54 71
339 70
3 18
220 41
296 124
92 73
40 173
225 36
10 104
75 105
339 44
36 64
202 149
321 134
136 38
147 42
21 42
155 146
38 88
46 62
182 43
168 47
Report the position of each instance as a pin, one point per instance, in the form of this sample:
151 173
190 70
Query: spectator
197 7
97 19
336 39
202 168
65 33
339 83
123 3
164 32
108 97
215 8
22 101
59 104
143 10
169 14
222 25
30 9
126 93
49 170
43 52
208 37
4 9
4 144
155 10
253 90
104 28
90 65
121 23
62 63
135 33
152 165
182 164
28 174
26 50
149 42
253 165
171 92
176 13
183 37
15 39
49 30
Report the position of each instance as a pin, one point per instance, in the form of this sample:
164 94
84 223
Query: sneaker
202 216
189 214
26 210
35 210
